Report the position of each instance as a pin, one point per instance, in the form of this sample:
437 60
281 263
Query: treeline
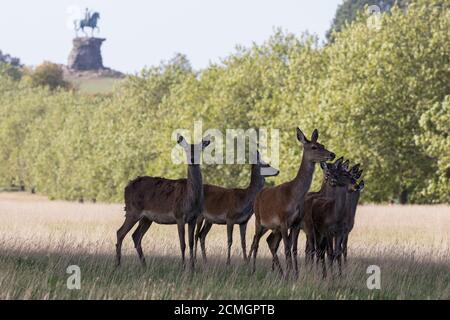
378 96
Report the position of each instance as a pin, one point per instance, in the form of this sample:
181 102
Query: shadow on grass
41 258
402 276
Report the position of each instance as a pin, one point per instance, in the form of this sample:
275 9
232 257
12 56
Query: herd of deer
326 216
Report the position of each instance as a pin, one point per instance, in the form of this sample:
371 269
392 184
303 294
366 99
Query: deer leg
321 254
259 232
191 229
200 220
344 248
230 241
206 227
181 231
273 240
310 248
121 233
330 249
243 230
338 252
287 249
295 231
144 225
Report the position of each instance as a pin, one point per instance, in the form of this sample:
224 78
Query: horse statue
89 21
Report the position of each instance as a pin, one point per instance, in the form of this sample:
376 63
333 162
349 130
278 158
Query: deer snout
332 156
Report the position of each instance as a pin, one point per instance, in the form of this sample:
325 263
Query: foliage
348 11
435 140
376 96
379 84
49 74
11 71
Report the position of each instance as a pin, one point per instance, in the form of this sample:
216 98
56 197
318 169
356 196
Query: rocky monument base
86 54
86 59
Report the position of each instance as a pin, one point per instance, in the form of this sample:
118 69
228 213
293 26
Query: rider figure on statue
87 15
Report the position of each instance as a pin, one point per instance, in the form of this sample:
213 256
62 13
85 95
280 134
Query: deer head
357 186
337 173
265 168
193 151
313 151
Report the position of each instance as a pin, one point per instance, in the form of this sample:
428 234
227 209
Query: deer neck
303 180
324 188
256 183
354 202
195 182
340 196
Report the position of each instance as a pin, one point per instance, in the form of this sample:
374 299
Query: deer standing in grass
332 176
276 208
231 206
345 221
329 217
352 202
164 201
304 221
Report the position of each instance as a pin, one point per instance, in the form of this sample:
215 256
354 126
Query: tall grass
40 238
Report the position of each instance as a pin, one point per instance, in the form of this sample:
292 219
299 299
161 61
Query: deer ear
206 141
301 137
345 164
338 162
355 168
181 141
361 185
358 174
315 135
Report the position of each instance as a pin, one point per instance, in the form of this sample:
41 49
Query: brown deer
231 206
276 208
164 201
345 222
329 171
352 202
332 173
329 216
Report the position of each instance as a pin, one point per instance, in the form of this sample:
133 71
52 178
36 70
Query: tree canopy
379 97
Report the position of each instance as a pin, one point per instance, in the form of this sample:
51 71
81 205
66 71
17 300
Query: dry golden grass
40 238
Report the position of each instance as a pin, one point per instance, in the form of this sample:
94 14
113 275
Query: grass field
94 85
40 238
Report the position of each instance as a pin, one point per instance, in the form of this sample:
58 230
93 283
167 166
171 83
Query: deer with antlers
276 208
164 201
231 206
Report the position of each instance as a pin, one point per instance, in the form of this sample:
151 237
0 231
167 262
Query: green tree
435 140
49 74
348 11
378 85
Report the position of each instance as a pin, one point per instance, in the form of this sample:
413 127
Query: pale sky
142 33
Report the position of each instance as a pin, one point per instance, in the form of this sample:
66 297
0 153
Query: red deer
345 222
164 201
306 223
331 176
231 206
328 215
276 208
352 202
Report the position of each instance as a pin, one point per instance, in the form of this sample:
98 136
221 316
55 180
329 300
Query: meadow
39 239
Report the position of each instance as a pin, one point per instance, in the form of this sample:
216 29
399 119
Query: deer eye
314 147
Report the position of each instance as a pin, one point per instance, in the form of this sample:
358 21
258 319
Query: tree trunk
403 198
